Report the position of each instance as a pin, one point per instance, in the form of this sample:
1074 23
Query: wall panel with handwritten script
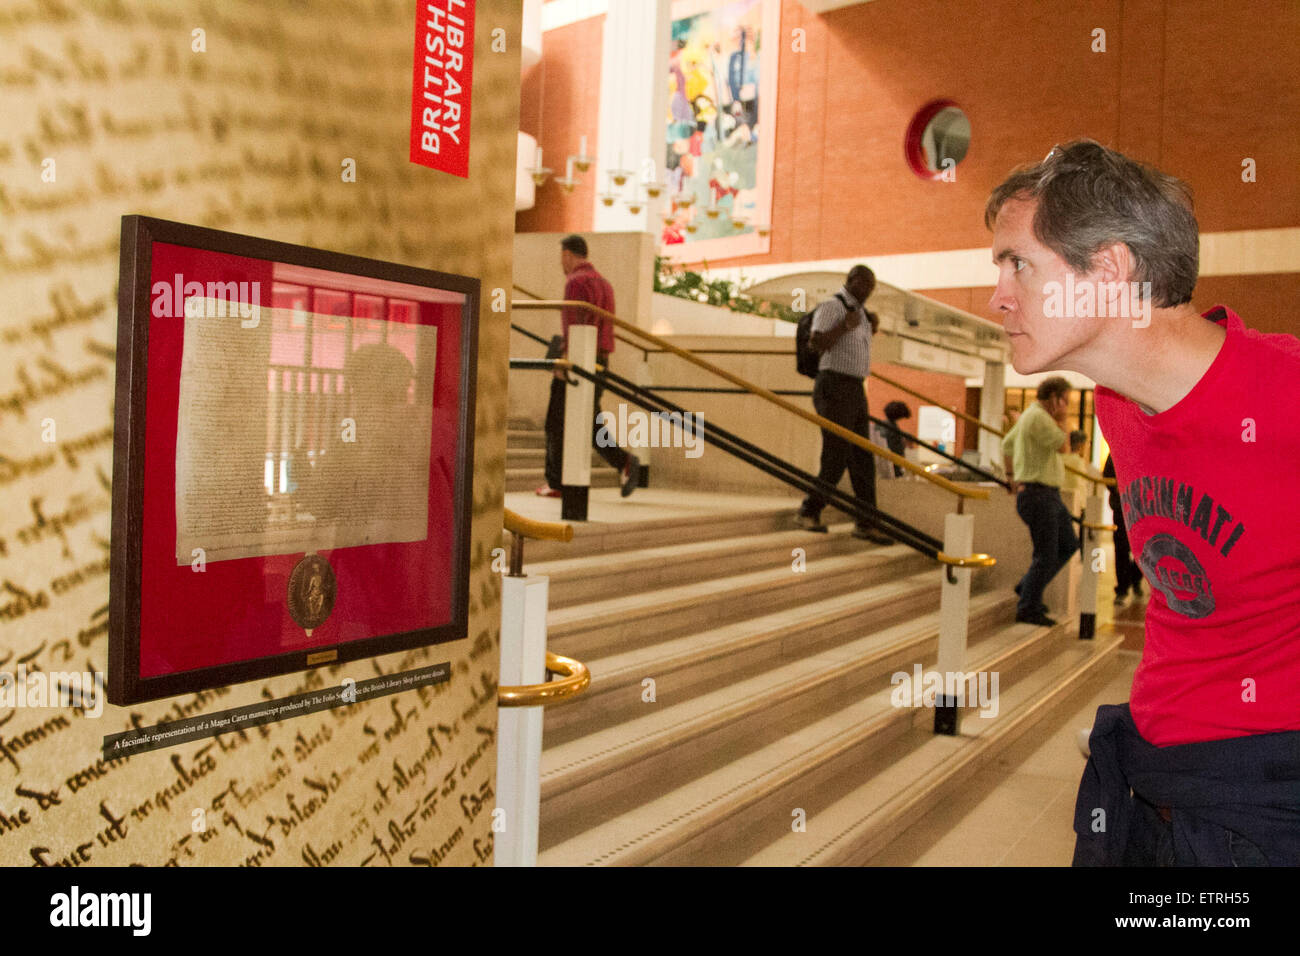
109 108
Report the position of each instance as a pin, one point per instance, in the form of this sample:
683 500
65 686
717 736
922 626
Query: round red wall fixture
913 142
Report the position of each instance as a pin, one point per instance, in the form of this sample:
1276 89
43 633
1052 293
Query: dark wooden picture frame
126 683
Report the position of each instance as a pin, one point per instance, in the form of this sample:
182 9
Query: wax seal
312 587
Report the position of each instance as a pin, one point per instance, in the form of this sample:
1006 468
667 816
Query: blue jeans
1052 532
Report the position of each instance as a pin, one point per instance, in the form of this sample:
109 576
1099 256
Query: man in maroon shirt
584 284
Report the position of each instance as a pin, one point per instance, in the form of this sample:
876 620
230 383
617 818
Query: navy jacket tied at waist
1219 793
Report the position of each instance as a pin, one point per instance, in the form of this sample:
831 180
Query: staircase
526 461
740 707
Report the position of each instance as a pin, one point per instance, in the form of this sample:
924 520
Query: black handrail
532 335
974 469
757 457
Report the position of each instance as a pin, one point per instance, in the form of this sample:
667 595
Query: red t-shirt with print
1210 491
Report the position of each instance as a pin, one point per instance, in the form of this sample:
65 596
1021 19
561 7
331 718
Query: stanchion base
946 718
573 503
1087 626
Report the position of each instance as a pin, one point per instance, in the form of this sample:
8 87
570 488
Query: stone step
851 820
607 537
693 818
683 667
524 438
635 754
536 458
577 580
530 479
599 628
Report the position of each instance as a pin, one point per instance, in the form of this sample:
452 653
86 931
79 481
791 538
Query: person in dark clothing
895 412
841 331
1128 576
584 284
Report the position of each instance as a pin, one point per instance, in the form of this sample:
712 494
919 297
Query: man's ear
1113 263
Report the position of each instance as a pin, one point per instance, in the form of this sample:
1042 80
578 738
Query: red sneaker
546 491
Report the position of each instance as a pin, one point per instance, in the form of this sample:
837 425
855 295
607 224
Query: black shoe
1038 619
631 472
870 534
810 523
1017 589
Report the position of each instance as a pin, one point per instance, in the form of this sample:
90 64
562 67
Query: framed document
291 459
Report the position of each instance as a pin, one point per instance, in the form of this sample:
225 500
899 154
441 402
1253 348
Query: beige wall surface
248 135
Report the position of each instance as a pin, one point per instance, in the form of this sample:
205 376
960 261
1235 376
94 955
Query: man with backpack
840 332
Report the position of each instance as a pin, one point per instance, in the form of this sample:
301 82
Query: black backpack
806 358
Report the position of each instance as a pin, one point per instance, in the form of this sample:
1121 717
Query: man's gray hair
1090 197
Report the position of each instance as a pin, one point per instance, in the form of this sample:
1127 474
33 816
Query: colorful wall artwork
720 119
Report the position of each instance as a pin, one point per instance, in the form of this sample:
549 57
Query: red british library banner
441 82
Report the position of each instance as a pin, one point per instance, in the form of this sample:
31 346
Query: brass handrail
980 560
823 423
517 524
521 528
1099 527
574 681
575 676
534 295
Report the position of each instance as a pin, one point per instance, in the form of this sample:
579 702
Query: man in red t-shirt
584 284
1097 258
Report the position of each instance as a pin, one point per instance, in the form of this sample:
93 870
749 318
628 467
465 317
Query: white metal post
1088 575
954 613
519 729
579 416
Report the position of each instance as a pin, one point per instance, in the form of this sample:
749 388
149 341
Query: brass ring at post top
574 680
970 561
1100 527
516 523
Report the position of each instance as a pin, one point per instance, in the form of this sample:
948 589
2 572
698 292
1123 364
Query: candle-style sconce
582 162
539 172
568 182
